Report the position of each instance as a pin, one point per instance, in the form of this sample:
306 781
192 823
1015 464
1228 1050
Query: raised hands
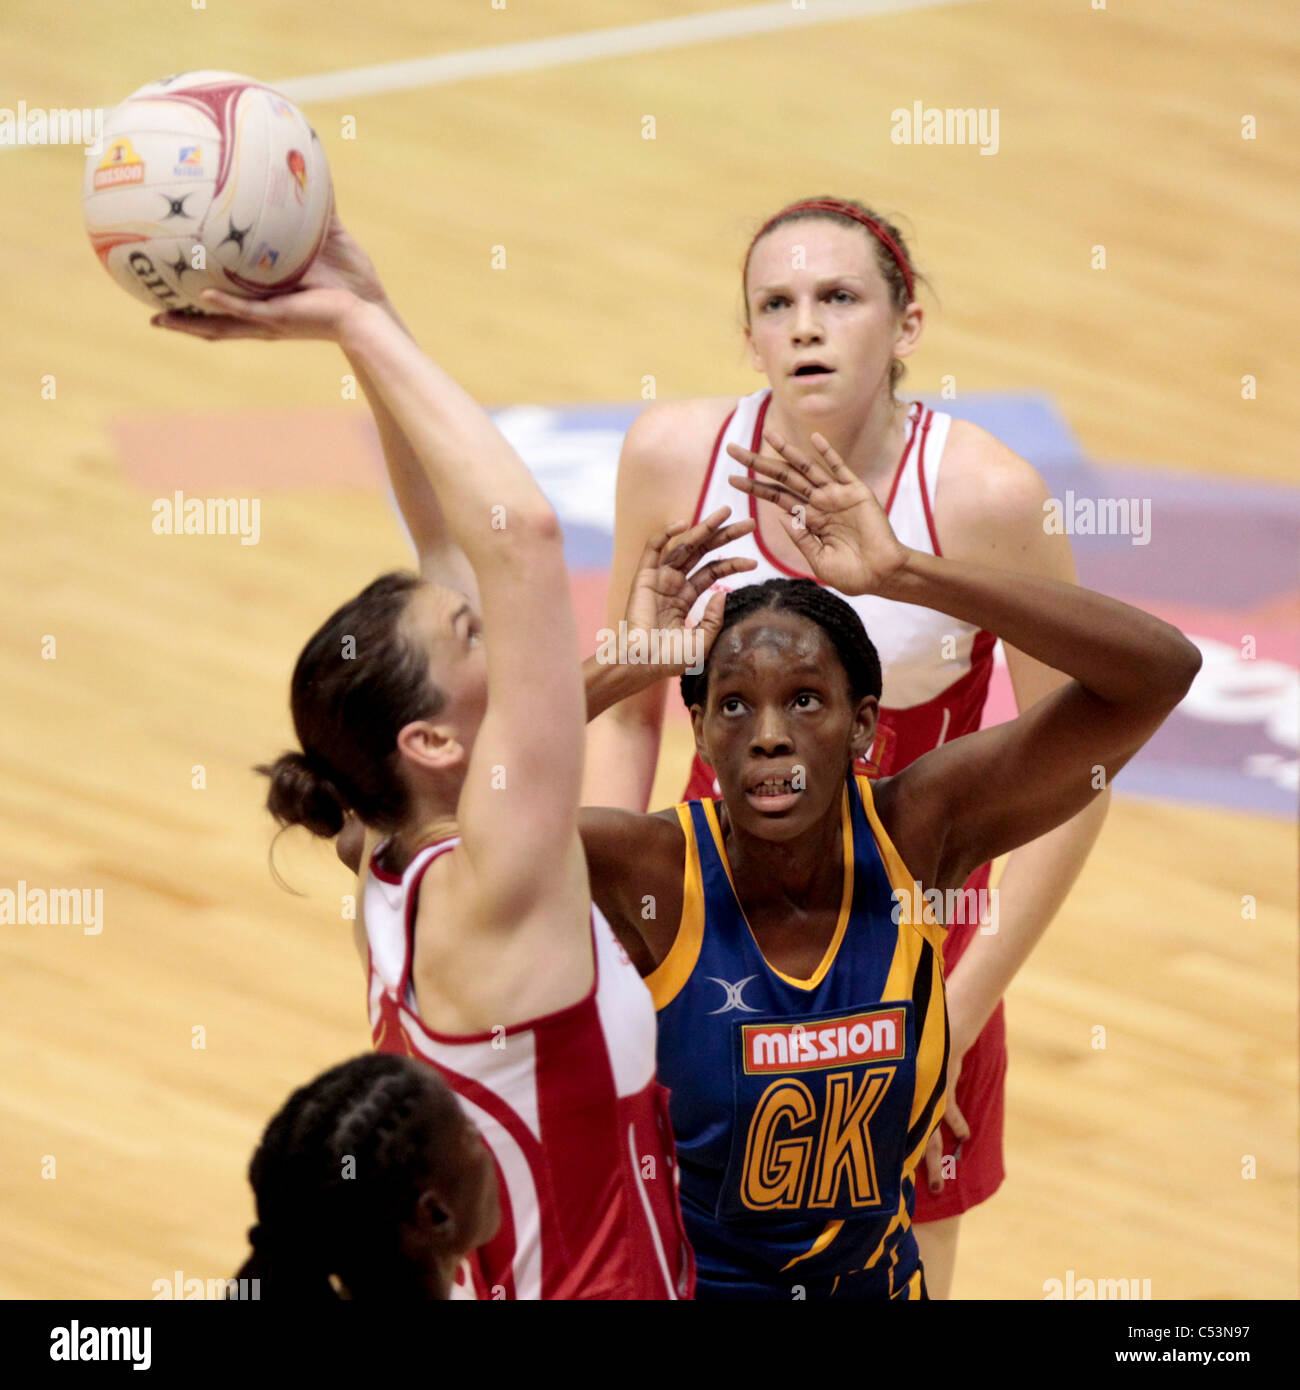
831 514
667 584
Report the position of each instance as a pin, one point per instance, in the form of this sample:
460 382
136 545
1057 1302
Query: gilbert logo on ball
208 180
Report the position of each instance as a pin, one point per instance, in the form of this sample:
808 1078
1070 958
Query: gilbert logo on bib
822 1106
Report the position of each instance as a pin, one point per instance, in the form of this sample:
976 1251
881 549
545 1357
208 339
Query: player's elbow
1192 663
526 541
1177 668
537 527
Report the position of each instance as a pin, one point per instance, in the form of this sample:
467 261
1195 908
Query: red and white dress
570 1108
936 674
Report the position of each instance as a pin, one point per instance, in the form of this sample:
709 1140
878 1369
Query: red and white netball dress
936 676
571 1110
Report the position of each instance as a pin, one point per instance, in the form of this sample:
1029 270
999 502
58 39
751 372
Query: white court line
535 54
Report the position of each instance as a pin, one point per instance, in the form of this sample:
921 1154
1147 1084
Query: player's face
781 727
822 326
461 1185
482 1201
466 1177
444 624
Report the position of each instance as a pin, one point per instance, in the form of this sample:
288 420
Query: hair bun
301 793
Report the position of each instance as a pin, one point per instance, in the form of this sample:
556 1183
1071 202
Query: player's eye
731 704
774 301
843 296
808 699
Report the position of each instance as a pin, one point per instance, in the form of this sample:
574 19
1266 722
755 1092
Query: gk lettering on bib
822 1106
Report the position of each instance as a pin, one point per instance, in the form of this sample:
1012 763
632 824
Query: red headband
876 229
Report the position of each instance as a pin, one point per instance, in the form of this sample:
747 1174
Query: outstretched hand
833 517
666 586
956 1122
340 277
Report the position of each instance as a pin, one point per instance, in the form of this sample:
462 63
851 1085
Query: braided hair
337 1174
807 598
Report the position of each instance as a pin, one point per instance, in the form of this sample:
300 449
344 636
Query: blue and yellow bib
801 1108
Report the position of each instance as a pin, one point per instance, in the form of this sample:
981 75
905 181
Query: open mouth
772 794
812 369
771 786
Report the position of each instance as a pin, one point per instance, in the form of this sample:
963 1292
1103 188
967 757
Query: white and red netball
208 180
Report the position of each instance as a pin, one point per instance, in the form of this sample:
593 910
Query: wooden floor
122 1142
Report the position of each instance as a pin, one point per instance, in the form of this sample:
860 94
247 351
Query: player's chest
794 944
797 1102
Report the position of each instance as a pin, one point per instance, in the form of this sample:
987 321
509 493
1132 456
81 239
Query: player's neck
870 444
807 873
421 830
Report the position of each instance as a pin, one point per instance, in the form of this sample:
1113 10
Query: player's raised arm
518 804
623 744
441 560
1002 787
651 641
1005 786
342 264
658 484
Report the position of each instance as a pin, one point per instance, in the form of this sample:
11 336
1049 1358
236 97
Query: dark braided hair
807 598
319 1215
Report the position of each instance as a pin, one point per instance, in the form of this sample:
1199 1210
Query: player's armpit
634 864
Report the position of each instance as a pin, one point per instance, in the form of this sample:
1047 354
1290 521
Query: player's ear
866 719
755 360
435 1221
433 747
907 336
697 728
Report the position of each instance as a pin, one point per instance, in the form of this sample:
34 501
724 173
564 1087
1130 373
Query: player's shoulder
620 835
668 433
984 486
665 457
671 833
633 858
905 804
